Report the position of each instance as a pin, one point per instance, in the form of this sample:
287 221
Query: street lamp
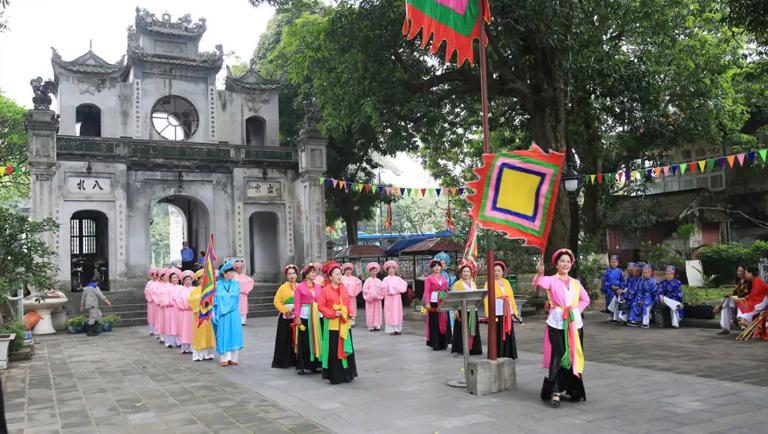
572 183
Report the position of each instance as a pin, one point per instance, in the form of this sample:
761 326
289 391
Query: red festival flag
455 22
516 193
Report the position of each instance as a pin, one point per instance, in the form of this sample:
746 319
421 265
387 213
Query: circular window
175 118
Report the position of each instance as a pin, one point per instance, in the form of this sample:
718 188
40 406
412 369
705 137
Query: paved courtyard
658 380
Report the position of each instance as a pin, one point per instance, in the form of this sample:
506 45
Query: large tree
13 150
616 83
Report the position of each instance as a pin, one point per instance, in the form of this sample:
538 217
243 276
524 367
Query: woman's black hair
753 270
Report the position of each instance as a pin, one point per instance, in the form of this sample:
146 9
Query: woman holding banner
563 340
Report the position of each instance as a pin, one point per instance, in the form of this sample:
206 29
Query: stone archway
265 248
89 249
175 219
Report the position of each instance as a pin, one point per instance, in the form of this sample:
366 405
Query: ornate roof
249 82
183 26
88 63
207 60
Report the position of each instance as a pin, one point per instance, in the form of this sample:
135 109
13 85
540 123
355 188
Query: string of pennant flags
7 169
392 190
705 165
607 178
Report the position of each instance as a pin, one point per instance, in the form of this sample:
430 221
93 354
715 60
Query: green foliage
759 250
619 83
24 257
110 319
13 150
159 235
14 327
635 216
77 321
721 260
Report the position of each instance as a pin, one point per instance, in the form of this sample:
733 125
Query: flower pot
5 340
74 329
106 327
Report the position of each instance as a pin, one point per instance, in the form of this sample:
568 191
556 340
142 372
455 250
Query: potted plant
108 321
11 340
5 340
76 324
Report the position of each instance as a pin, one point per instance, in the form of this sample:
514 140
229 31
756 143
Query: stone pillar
42 126
311 194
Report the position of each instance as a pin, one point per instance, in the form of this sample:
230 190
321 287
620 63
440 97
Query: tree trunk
351 222
547 128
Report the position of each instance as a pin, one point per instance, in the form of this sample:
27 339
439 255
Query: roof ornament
42 89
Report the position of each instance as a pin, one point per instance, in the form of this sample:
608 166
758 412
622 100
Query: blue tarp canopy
394 249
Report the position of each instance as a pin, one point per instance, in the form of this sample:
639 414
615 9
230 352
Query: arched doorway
88 249
88 120
265 251
175 220
255 131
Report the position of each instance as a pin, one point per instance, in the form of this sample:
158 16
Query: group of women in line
317 309
180 315
444 327
314 326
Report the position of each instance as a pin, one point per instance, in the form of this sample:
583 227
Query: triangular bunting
402 191
692 167
423 192
453 191
322 180
702 164
2 171
751 156
388 190
711 164
592 178
586 179
740 157
731 159
367 188
438 191
380 189
335 183
763 154
599 178
666 170
461 191
657 172
683 167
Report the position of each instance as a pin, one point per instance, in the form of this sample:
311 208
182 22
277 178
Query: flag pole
491 284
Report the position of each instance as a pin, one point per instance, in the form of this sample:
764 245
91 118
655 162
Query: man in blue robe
670 296
622 296
645 291
226 316
613 279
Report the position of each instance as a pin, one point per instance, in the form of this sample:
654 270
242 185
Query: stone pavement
124 382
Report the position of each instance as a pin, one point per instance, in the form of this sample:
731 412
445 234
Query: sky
71 25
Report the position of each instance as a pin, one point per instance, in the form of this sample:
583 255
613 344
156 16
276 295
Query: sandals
555 400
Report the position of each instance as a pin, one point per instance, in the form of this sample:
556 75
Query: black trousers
561 380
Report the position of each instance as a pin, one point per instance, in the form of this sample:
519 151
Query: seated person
755 302
670 296
640 308
727 308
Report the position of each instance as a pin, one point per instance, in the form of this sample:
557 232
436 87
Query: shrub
720 260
